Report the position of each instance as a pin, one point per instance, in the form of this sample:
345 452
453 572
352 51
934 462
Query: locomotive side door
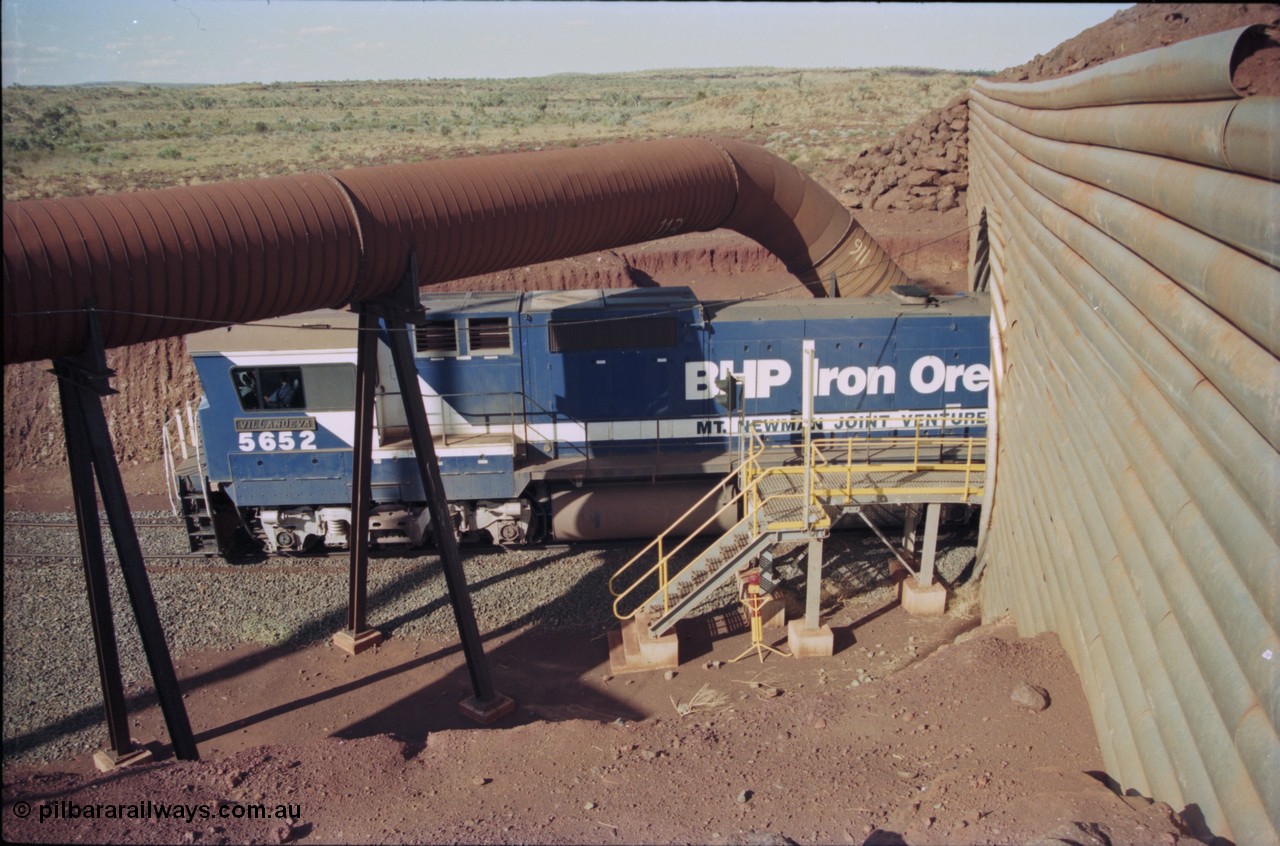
389 418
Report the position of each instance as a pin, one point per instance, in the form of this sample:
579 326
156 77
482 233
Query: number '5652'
270 441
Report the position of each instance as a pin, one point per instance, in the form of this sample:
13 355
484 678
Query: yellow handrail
754 471
723 484
660 568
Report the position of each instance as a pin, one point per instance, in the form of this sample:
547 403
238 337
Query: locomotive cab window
315 387
489 335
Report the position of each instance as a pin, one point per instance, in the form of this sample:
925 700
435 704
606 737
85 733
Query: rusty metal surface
200 255
1119 511
1195 69
1227 134
470 216
1234 284
1245 370
157 263
1227 206
801 223
1136 307
1249 140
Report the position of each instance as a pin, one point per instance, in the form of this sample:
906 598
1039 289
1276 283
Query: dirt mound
1147 27
926 165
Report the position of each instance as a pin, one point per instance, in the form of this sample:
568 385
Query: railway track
70 523
25 541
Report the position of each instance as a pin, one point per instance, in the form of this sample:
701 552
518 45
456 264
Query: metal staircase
185 480
789 494
201 536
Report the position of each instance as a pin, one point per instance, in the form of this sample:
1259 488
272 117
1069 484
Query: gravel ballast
52 698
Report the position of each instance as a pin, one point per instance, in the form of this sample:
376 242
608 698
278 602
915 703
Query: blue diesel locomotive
566 415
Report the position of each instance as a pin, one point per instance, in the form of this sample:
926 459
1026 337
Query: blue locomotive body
537 400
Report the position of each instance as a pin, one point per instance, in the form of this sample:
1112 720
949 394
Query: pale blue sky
51 42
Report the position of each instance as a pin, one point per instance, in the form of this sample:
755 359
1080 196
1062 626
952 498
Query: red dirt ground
372 748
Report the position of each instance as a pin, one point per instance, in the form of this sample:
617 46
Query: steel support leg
487 704
931 515
813 584
357 636
910 522
80 463
87 427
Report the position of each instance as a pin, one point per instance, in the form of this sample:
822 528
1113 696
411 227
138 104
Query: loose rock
1031 697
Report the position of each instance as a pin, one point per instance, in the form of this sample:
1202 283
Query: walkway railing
770 497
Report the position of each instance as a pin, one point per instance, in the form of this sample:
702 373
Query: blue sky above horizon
61 42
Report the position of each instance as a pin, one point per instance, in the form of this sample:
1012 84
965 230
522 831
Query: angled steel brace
82 382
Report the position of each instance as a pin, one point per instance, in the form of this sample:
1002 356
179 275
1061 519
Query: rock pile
925 166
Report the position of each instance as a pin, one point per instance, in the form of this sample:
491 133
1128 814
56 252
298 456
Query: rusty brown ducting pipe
157 264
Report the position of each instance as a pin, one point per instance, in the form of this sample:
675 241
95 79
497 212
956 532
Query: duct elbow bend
802 223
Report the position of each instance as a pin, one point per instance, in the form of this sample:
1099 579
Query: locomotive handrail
170 468
446 422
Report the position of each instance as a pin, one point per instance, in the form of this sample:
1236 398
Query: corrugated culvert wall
1132 243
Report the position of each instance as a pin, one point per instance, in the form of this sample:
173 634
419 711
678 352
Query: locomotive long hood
156 264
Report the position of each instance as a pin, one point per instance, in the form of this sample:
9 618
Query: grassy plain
64 141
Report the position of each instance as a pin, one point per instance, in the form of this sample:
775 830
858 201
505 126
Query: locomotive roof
876 305
332 329
610 299
308 330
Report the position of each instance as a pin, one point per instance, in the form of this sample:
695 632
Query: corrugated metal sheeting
1132 247
161 263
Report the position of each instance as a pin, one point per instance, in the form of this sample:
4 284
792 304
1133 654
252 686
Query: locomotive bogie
291 531
506 523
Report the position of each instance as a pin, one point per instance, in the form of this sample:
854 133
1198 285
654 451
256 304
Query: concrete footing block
107 760
487 712
632 649
921 601
810 643
354 644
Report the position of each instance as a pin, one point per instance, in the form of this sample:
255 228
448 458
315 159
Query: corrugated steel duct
1227 134
802 223
1136 289
224 253
469 216
163 263
1195 69
1246 370
1116 481
1219 203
